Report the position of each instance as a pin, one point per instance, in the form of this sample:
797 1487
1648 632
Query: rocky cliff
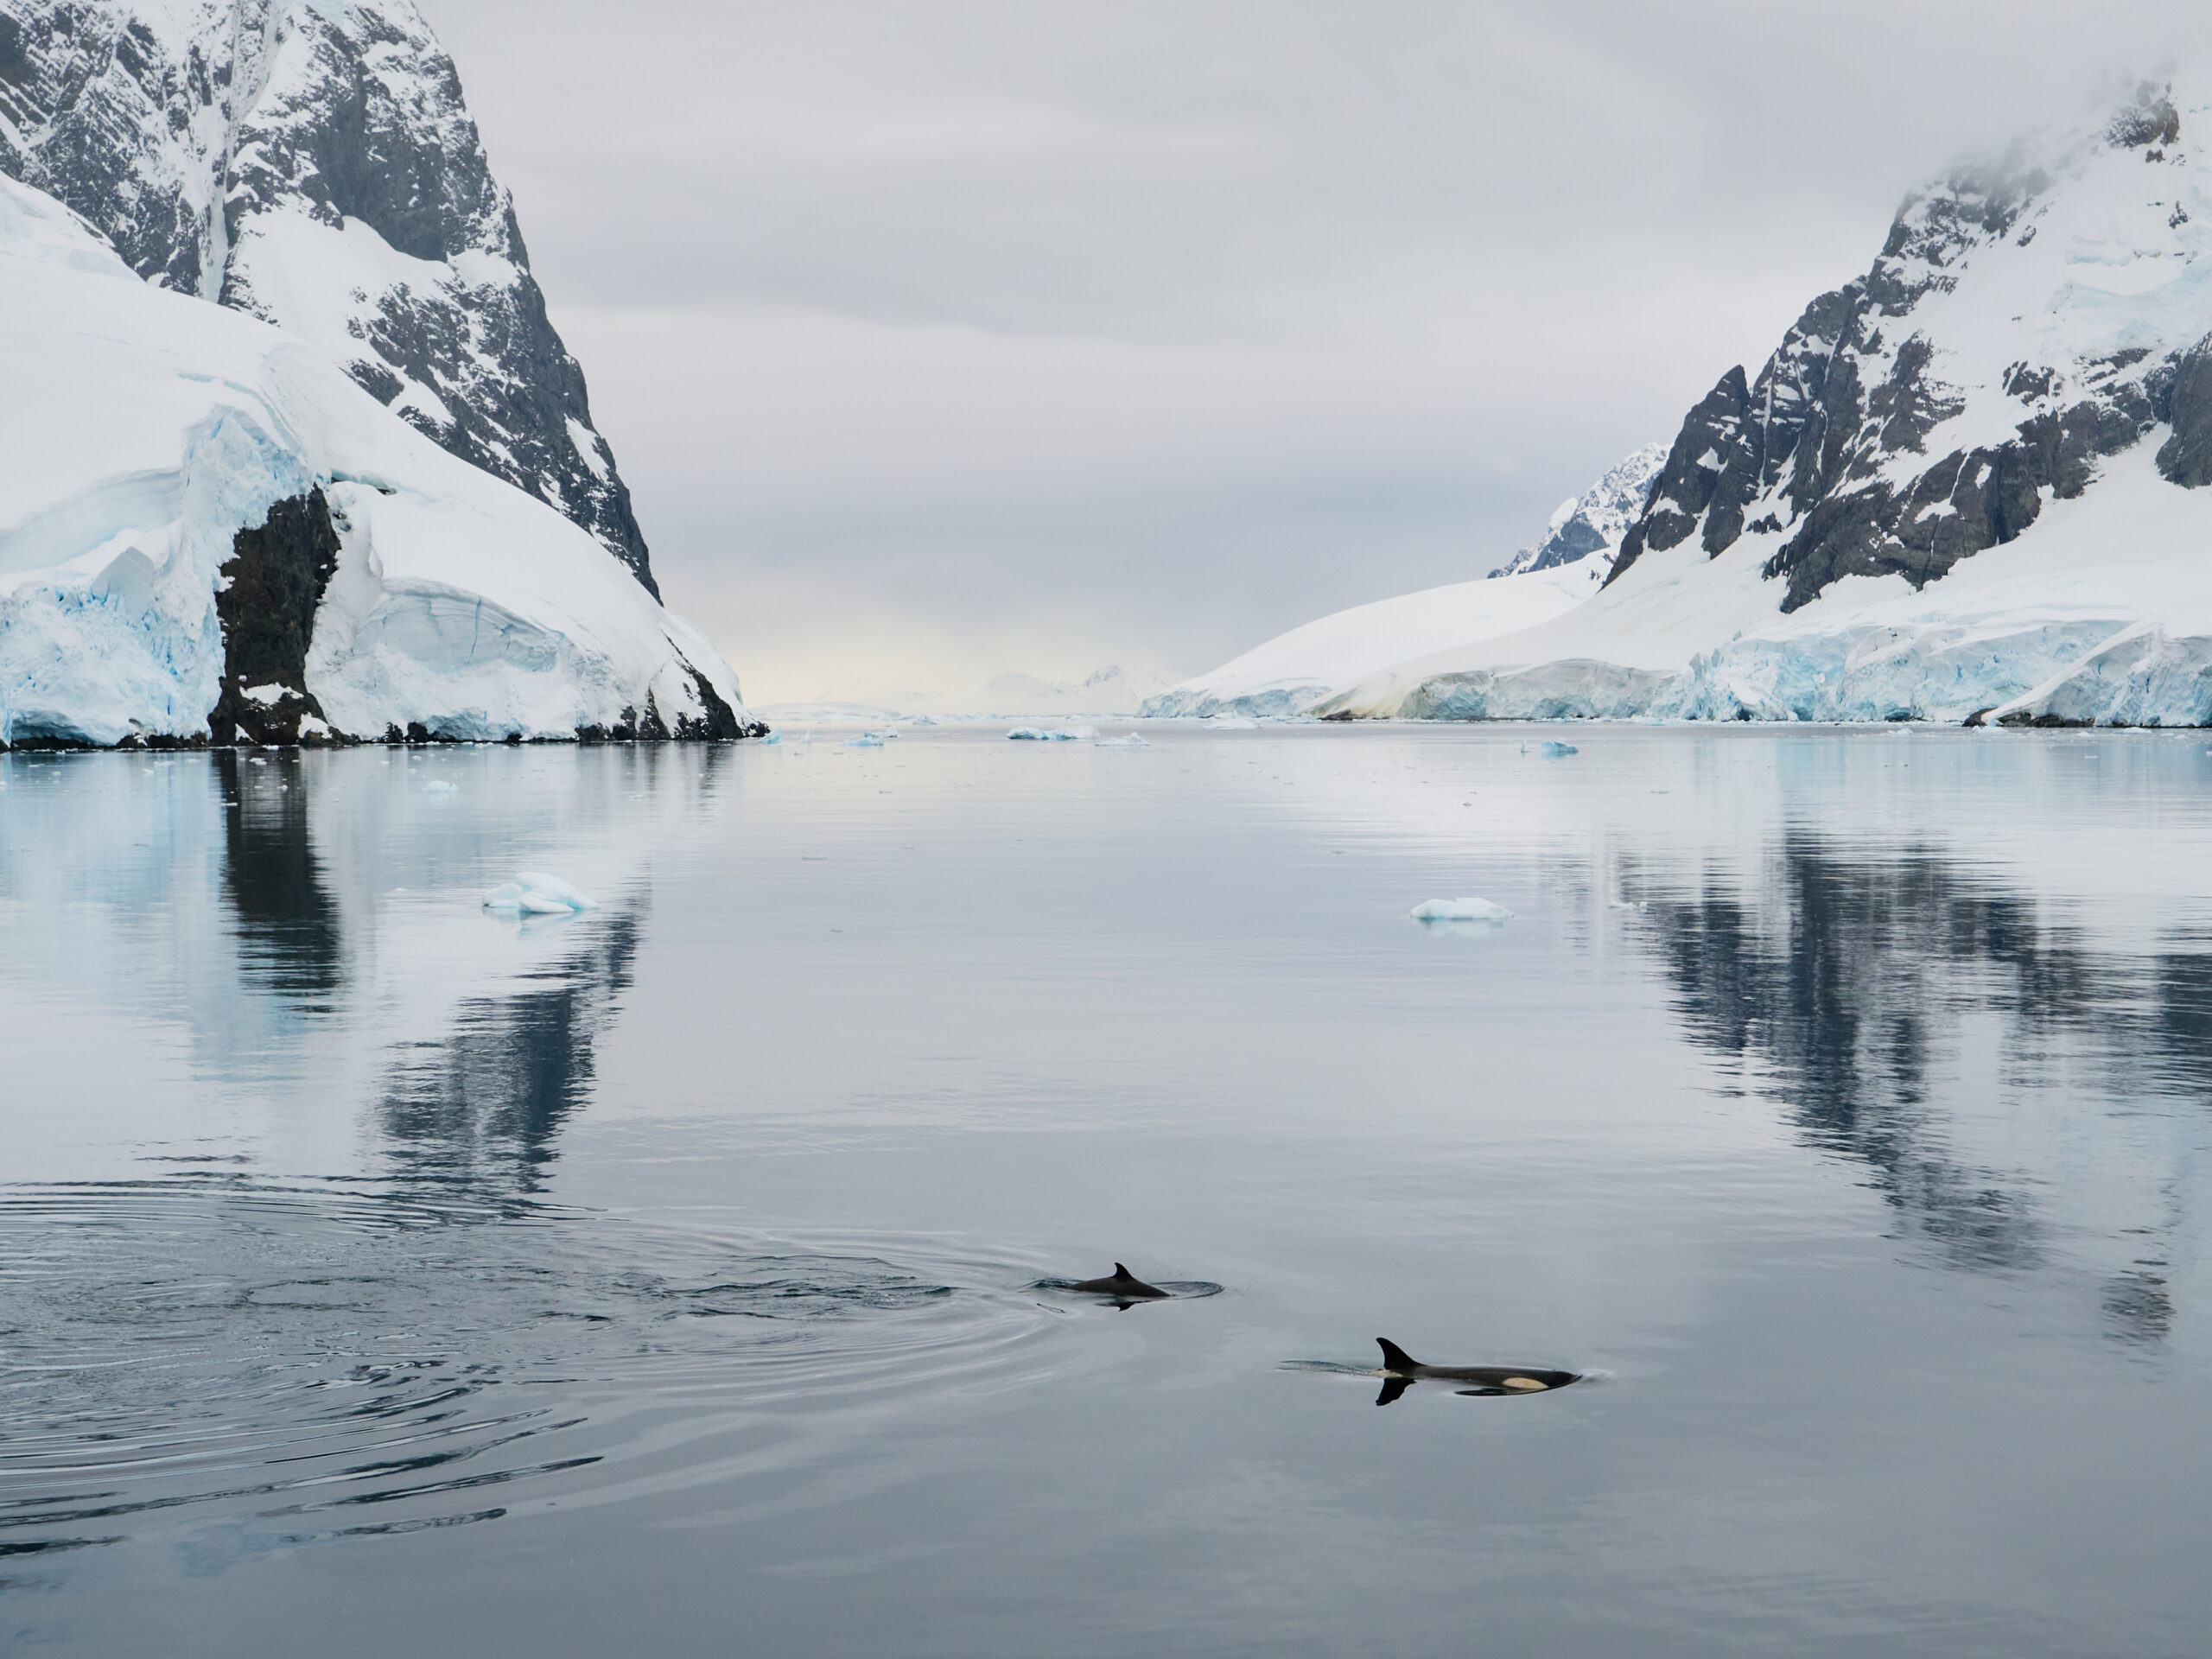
314 163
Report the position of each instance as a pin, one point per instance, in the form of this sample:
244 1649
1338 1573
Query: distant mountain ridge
1597 520
313 162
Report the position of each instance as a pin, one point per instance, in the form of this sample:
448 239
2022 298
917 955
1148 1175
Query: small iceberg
1233 725
439 787
1026 734
772 739
1551 748
888 731
1461 910
1127 740
536 893
865 741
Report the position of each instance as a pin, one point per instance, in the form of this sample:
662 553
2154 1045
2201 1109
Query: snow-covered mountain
209 531
1968 485
1597 520
312 162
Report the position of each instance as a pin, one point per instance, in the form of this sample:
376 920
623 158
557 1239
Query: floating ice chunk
536 893
1026 734
865 741
772 739
1551 748
1232 725
1074 734
439 787
888 731
1461 910
1127 740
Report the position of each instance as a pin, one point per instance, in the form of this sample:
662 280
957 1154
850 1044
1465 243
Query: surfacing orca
1123 1285
1401 1371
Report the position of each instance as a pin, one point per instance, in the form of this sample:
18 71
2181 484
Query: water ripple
224 1346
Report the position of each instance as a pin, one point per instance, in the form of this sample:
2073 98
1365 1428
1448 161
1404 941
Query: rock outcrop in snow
313 163
1597 520
208 531
1970 484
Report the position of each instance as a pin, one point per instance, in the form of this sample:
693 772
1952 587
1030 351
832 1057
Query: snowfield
143 429
1305 667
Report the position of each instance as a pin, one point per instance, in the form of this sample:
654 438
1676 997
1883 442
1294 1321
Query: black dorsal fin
1121 1272
1395 1358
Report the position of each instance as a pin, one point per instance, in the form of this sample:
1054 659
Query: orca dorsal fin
1395 1358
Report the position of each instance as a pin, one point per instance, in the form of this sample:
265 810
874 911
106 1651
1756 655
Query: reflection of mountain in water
1844 978
481 1108
288 934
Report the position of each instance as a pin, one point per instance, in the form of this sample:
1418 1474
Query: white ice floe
1051 734
1461 910
1233 724
1551 748
440 786
1127 740
536 893
865 741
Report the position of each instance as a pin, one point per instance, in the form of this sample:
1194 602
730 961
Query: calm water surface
377 1276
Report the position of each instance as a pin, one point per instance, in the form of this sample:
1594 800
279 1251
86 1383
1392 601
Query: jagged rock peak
2027 317
1595 520
314 162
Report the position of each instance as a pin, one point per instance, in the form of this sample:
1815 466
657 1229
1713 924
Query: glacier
1969 486
163 460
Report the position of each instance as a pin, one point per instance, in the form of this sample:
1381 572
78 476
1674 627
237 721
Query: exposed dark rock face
2186 457
266 604
316 123
1828 448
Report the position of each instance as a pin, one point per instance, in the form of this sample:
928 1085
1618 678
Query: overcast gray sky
940 337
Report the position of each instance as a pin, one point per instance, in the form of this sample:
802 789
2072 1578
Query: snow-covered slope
312 162
1296 671
1597 520
1971 482
204 521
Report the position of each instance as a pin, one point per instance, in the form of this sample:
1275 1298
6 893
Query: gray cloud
942 339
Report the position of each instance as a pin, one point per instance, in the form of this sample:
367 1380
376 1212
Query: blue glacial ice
536 893
1461 910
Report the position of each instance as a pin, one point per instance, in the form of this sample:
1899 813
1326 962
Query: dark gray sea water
377 1276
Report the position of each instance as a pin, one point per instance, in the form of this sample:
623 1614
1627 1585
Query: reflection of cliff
1845 979
481 1108
287 928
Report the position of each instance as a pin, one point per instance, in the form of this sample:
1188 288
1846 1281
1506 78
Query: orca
1401 1371
1124 1285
